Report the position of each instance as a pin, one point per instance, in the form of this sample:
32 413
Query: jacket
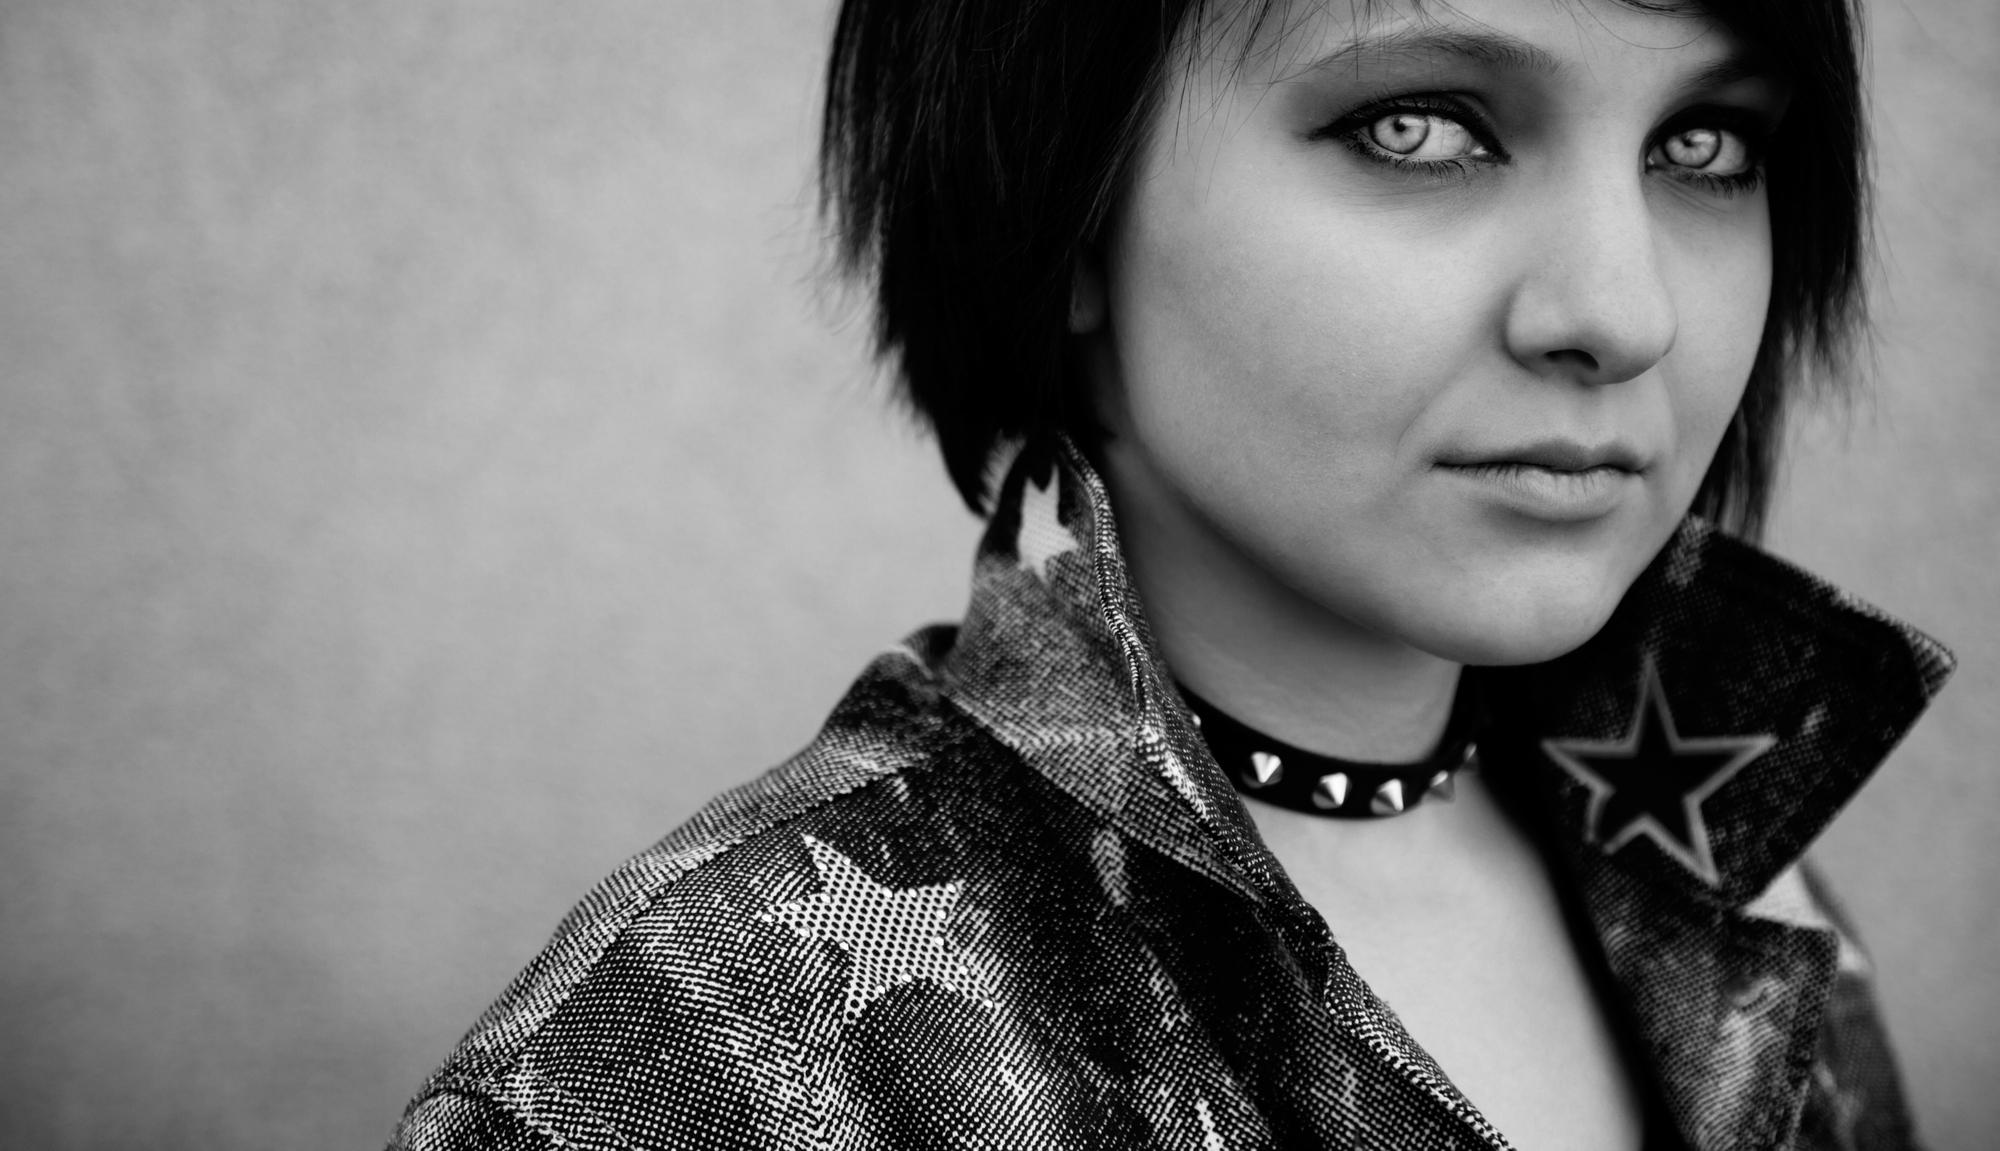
1006 897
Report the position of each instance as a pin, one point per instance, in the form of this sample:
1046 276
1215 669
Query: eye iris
1401 133
1697 148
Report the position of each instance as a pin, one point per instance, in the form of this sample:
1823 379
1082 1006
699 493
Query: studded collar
1681 761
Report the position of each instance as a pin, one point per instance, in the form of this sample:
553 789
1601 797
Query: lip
1556 480
1554 454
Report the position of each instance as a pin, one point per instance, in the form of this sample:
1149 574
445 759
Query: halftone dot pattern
1007 899
889 937
1042 537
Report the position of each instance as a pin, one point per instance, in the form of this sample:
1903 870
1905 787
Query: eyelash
1351 131
1745 181
1755 136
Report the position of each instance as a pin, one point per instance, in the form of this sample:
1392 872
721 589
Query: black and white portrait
1209 574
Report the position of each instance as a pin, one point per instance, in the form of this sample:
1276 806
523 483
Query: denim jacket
1007 898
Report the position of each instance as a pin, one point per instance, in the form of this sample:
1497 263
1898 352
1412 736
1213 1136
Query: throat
1291 671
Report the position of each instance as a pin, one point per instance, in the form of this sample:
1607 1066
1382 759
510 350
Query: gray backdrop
428 470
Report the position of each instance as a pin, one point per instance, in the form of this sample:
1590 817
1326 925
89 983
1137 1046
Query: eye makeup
1397 130
1717 148
1714 147
1432 103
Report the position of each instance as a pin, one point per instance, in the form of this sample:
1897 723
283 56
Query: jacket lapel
1683 760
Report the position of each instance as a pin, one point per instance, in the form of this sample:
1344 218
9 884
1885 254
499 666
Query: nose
1591 305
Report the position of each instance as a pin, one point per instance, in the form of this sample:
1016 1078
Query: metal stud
1442 787
1471 759
1196 717
1265 769
1331 791
1388 799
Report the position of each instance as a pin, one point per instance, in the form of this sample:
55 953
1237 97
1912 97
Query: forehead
1274 40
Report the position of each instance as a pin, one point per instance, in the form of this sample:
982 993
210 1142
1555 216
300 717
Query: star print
1042 536
890 937
1653 781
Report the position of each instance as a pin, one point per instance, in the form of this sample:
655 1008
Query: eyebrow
1419 43
1501 50
1744 65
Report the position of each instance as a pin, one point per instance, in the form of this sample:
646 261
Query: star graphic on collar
1042 536
890 937
1653 781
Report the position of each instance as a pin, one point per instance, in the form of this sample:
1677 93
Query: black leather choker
1276 772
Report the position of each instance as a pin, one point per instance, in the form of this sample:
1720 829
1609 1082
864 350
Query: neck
1260 649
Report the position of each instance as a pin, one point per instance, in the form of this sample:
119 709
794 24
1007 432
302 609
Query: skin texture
1371 421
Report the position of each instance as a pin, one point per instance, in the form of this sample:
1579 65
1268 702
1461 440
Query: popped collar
1007 898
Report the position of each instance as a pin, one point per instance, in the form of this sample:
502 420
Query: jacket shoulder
651 965
449 1120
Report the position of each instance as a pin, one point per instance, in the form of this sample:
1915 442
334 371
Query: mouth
1553 480
1554 455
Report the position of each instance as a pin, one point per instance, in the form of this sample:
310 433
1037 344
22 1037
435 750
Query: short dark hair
970 149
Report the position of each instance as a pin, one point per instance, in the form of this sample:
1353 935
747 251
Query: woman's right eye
1428 136
1424 137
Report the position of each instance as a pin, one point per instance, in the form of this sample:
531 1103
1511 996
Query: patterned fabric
1007 899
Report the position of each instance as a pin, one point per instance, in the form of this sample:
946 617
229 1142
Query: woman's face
1438 317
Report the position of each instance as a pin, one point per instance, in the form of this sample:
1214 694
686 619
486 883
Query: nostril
1575 357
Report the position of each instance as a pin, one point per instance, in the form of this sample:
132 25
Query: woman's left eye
1711 152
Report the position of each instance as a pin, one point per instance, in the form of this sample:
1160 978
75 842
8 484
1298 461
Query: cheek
1722 286
1302 329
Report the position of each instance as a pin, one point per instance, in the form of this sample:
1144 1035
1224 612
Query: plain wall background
428 470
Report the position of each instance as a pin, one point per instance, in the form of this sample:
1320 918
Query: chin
1517 619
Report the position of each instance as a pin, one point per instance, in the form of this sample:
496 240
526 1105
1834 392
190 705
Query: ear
1086 293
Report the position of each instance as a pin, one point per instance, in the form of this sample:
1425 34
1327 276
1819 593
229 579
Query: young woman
1353 740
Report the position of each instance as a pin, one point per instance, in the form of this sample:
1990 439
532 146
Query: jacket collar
1055 657
1789 690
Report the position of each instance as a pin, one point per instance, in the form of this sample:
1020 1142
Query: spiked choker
1276 772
